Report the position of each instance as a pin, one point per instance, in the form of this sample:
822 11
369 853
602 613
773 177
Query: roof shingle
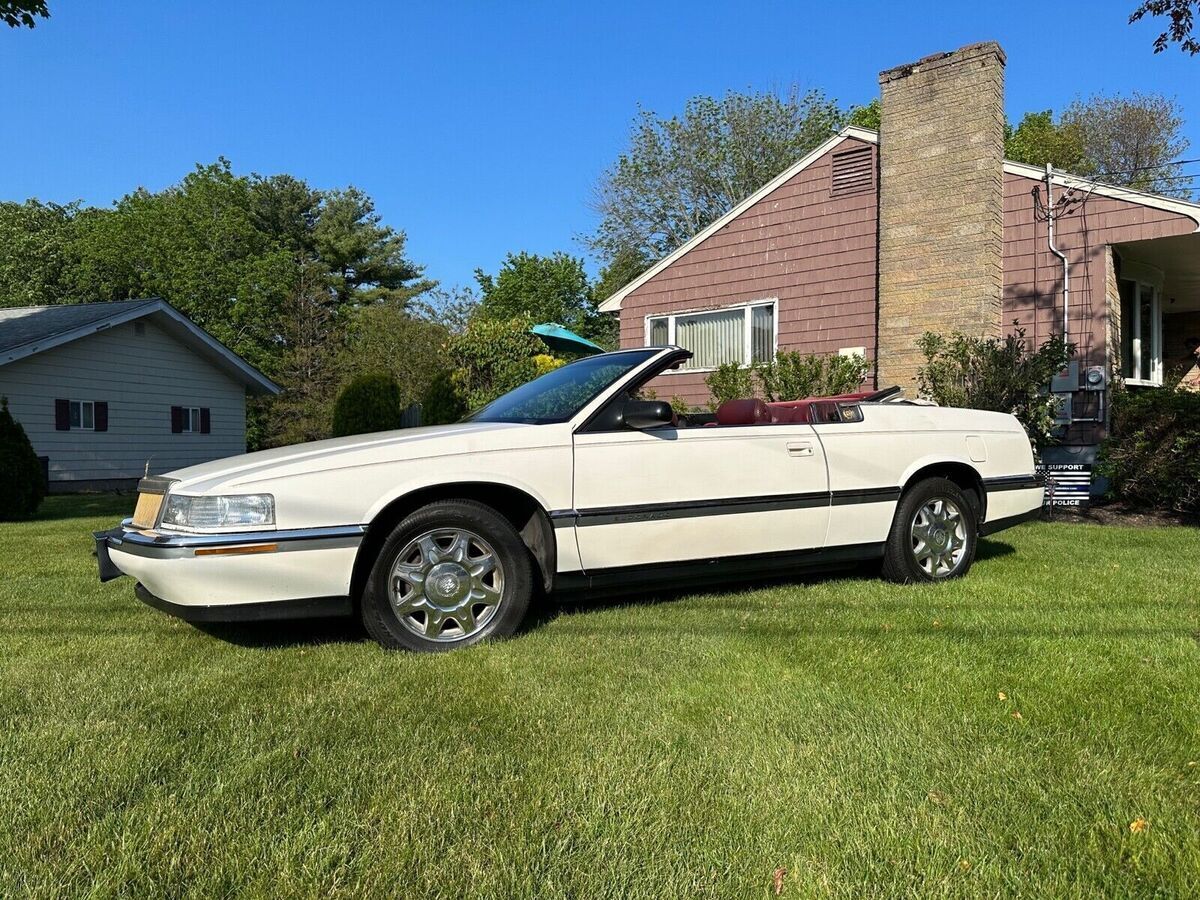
24 325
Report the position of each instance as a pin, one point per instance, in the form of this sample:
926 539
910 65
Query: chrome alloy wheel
939 537
446 584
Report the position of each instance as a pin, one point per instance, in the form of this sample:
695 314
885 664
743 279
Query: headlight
219 512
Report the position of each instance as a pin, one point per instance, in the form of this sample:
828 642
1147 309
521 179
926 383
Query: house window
737 334
83 415
190 420
1141 333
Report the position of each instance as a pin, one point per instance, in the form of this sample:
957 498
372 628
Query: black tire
393 626
901 561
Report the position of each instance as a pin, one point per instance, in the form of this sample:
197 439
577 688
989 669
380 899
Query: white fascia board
613 303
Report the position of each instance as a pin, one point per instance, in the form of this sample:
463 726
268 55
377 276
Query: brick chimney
941 203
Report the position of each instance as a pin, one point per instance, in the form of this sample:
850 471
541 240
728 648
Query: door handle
800 448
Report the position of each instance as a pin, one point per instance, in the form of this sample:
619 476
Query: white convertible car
440 537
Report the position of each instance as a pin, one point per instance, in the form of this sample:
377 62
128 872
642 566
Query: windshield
558 395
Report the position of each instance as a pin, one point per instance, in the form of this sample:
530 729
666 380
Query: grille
853 172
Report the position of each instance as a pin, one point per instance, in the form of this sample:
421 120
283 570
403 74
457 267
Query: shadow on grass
656 594
281 635
316 632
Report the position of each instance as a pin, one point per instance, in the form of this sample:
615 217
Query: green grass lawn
993 736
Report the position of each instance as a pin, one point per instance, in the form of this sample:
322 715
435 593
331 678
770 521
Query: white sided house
108 392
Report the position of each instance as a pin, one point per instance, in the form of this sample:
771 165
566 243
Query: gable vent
853 172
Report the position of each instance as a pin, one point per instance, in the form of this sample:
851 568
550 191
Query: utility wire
1178 162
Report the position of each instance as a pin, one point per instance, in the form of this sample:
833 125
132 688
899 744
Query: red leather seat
751 411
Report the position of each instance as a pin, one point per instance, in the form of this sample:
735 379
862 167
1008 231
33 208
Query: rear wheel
934 534
452 574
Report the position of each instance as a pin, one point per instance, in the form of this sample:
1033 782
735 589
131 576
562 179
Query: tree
452 308
384 337
623 268
18 13
23 486
369 403
492 357
306 367
1132 140
869 116
37 250
1038 140
551 288
366 258
680 173
1179 31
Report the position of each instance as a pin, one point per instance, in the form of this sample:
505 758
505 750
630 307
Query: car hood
378 448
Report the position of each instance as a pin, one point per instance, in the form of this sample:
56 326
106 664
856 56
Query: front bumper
271 611
235 577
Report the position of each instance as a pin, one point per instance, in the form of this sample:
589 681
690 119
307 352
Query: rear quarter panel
895 441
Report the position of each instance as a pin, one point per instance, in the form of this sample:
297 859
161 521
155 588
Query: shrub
441 403
370 402
22 487
794 376
790 376
491 357
994 374
1152 455
728 382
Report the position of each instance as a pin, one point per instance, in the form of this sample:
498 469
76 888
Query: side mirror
643 414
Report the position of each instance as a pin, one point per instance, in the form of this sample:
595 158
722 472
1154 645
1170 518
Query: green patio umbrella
559 338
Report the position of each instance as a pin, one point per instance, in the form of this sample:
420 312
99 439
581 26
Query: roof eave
221 355
1103 189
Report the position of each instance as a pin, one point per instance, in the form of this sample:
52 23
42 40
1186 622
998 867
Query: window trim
71 404
747 333
1155 379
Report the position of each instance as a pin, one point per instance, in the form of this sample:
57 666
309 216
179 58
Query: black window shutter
62 415
100 418
205 420
176 419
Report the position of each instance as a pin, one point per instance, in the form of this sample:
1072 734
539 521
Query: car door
679 494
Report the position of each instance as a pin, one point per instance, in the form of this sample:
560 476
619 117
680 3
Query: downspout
1050 242
1102 412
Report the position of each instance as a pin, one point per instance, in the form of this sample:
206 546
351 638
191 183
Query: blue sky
481 128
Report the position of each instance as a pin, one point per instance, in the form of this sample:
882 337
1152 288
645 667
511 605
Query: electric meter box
1067 380
1095 379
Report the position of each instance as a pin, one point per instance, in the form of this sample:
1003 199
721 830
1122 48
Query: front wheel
451 574
933 536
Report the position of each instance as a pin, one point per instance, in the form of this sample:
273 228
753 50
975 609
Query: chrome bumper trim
158 545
